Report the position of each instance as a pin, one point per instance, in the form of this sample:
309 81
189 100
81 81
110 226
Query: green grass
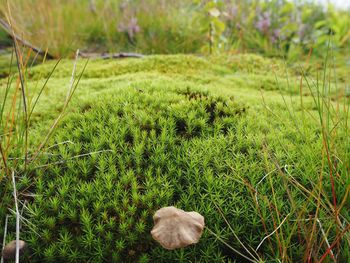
5 61
196 133
5 40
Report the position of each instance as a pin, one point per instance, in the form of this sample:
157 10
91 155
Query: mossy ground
188 131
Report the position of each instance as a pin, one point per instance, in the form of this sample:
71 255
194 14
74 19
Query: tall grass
144 26
19 152
17 108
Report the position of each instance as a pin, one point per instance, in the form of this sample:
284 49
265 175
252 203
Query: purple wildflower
276 33
264 22
131 27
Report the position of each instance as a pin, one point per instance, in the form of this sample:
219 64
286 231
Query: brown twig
110 56
24 42
336 241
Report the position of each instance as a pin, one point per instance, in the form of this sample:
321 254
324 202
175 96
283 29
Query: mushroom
175 228
9 251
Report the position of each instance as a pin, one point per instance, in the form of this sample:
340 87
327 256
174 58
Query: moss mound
172 130
145 153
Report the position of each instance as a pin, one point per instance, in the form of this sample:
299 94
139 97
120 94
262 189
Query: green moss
162 64
234 71
173 130
186 148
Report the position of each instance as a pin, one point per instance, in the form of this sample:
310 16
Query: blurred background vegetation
273 28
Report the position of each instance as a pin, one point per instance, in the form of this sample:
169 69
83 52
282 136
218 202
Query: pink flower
264 22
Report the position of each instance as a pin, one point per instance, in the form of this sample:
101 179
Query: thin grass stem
17 217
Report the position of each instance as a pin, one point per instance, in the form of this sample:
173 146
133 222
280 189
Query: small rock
9 251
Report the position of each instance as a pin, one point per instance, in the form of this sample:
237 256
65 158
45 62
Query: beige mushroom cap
9 251
175 228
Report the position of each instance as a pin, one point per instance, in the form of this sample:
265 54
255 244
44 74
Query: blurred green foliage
274 28
5 40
